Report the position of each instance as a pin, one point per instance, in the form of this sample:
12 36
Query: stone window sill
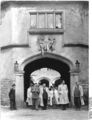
46 31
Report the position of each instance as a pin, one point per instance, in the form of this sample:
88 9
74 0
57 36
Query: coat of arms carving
46 44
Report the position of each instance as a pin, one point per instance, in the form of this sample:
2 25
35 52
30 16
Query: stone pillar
74 78
19 90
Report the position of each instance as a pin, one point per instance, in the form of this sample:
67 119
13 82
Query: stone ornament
46 44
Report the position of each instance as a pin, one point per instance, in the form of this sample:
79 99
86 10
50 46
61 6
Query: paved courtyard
50 114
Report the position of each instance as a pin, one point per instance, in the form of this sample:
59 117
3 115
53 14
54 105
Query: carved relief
46 44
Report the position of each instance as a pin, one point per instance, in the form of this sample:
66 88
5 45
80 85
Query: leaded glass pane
41 19
58 19
33 20
50 21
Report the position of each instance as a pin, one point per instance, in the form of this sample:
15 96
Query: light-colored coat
63 94
50 97
29 96
40 95
56 94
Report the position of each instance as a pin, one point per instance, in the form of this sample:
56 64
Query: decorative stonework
46 44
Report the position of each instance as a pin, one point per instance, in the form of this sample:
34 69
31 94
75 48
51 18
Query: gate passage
45 73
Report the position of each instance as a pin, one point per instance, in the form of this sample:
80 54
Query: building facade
42 34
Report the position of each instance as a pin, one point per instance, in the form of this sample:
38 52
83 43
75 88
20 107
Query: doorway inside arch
55 64
42 81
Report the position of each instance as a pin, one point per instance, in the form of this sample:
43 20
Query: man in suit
78 95
45 99
12 98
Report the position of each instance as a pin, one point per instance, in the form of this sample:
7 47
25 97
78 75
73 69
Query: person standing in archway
35 95
41 95
63 94
51 96
56 96
29 95
45 98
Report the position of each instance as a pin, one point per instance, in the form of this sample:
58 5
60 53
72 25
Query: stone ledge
46 31
13 45
76 45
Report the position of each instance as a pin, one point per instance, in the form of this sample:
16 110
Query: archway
44 80
57 82
45 74
47 62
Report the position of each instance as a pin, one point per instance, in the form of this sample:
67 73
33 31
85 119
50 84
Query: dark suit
12 99
77 99
45 98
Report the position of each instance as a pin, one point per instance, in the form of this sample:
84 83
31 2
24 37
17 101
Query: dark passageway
55 64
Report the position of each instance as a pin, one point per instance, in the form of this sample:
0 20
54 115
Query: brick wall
5 87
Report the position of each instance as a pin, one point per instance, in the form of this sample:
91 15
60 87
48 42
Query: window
33 20
58 20
49 20
41 20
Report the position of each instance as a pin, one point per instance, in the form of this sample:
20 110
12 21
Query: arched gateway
49 60
45 75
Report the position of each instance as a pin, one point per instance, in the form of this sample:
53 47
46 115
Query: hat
13 85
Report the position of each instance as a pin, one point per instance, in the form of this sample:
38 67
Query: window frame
46 12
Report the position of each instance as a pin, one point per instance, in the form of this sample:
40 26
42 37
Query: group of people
40 95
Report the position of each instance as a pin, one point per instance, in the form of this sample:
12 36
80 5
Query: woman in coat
29 96
63 94
56 96
41 96
50 96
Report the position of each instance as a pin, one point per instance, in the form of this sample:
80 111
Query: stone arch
46 78
51 75
46 55
27 64
31 59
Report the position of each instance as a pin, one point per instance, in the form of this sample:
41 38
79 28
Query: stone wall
16 23
7 77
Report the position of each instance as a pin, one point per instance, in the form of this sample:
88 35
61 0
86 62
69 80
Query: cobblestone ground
50 114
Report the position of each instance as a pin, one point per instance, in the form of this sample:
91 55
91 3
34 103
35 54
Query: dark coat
76 92
12 94
45 94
